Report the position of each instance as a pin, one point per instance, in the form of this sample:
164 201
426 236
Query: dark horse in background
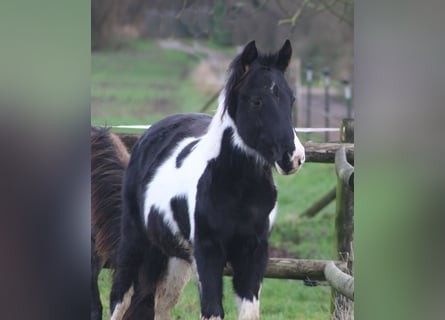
109 158
199 193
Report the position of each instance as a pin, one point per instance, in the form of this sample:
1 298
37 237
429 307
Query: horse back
159 141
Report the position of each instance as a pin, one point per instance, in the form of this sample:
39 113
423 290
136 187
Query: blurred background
154 58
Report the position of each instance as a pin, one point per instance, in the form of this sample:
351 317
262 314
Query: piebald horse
199 193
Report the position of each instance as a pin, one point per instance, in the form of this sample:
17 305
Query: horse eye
256 102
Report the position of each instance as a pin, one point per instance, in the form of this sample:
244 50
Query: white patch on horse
170 288
236 138
239 143
272 87
297 158
272 216
248 310
161 190
121 307
299 152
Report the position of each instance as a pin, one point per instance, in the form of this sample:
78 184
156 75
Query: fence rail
296 269
315 152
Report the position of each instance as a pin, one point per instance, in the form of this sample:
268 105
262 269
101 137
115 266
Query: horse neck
214 139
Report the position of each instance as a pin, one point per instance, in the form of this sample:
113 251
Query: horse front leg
249 260
210 261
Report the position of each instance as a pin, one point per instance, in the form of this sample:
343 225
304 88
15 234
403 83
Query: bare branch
292 20
318 7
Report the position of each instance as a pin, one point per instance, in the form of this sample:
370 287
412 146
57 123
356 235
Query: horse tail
109 158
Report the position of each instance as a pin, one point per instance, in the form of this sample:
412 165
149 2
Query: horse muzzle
291 161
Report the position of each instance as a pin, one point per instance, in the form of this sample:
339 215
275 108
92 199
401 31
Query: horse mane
109 158
236 74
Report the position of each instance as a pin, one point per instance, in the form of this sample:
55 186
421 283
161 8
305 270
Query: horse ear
284 56
249 55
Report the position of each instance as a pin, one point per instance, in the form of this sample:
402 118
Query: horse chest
229 203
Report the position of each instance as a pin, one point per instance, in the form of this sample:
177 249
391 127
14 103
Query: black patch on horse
158 143
161 236
180 213
243 194
184 153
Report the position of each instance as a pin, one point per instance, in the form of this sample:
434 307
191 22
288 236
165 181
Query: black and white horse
199 193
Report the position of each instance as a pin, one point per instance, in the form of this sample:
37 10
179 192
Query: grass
142 83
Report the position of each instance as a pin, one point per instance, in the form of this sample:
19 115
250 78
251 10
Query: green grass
142 83
280 299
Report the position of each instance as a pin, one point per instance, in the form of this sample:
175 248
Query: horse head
259 101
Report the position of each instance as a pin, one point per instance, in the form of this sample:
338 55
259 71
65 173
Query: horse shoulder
172 190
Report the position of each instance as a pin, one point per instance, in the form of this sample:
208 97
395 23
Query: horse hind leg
139 301
129 260
159 286
153 272
171 286
122 288
121 307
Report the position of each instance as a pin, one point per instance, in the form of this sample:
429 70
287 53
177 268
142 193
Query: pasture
139 84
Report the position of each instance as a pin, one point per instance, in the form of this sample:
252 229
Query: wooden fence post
344 220
347 130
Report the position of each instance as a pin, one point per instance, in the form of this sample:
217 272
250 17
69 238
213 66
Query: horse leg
129 260
151 279
249 262
171 286
140 307
210 260
96 305
130 256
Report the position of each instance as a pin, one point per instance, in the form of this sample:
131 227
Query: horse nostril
299 162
